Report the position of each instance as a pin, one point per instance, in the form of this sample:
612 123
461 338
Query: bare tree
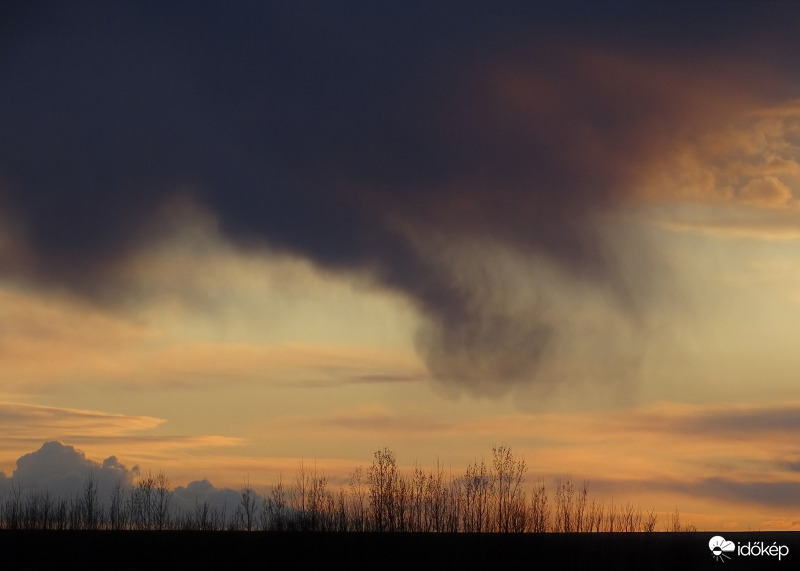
540 509
650 522
419 484
162 502
341 522
320 501
275 508
61 514
509 472
596 517
565 509
37 511
116 511
301 495
247 507
89 503
13 509
358 501
141 502
675 523
382 481
477 485
436 499
402 497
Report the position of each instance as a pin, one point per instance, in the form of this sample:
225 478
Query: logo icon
719 547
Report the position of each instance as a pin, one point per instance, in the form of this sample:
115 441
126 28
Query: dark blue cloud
337 132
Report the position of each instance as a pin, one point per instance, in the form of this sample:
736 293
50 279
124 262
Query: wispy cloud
726 221
726 491
52 341
387 424
365 379
24 425
36 421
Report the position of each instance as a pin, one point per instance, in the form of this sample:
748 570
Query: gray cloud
782 493
742 423
789 466
781 420
371 140
63 470
772 494
202 493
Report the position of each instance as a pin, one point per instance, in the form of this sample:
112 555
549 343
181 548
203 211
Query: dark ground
293 550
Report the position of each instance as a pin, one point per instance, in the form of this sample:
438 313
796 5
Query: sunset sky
235 235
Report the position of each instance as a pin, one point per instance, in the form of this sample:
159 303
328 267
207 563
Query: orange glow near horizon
584 248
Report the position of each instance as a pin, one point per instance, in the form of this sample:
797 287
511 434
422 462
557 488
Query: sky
235 236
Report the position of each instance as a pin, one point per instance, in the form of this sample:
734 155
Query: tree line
487 497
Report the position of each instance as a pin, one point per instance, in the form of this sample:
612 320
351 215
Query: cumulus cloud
202 494
63 470
23 426
361 140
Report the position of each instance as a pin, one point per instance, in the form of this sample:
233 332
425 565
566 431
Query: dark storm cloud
357 136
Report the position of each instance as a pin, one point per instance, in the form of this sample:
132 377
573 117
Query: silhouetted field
33 549
487 498
480 519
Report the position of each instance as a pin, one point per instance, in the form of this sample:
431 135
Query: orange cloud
99 434
49 341
36 421
733 219
752 159
766 191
